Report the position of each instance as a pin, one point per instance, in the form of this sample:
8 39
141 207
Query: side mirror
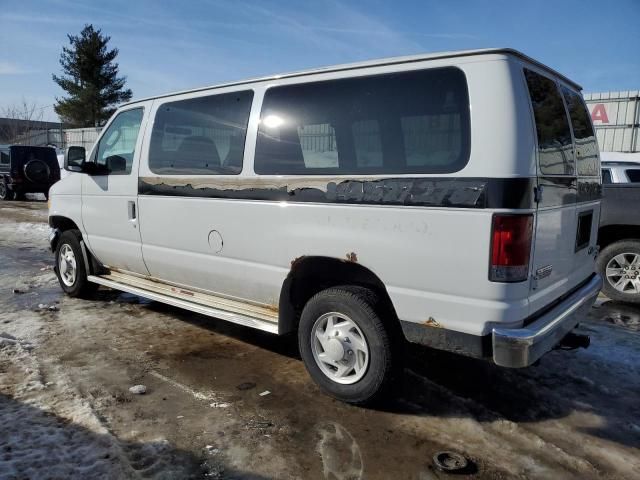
74 159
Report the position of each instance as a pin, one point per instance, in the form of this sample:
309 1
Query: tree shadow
38 444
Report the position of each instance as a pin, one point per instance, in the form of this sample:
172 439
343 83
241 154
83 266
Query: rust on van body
431 322
295 261
272 307
352 257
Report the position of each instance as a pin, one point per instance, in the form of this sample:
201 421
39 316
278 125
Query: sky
167 46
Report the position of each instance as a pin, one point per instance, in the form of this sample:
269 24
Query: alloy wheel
623 272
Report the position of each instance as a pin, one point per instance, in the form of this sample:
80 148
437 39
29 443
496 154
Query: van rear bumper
520 347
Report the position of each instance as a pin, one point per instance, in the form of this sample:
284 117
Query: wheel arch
62 223
614 233
59 224
311 274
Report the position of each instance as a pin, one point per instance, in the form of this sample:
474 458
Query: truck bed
620 204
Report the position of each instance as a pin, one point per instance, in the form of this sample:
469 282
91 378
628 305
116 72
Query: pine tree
90 78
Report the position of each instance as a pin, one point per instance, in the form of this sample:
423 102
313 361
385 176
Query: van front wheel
345 346
70 267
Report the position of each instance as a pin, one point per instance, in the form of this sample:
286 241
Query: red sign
599 113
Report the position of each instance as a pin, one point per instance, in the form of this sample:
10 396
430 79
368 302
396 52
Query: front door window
117 146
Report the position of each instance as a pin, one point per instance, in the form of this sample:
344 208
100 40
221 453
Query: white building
616 117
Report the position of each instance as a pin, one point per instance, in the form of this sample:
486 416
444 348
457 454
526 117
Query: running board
233 311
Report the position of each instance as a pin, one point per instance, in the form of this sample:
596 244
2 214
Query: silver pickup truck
619 231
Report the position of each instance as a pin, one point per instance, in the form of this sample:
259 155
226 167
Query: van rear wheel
619 265
345 346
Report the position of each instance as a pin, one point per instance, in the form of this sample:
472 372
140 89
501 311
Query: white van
450 200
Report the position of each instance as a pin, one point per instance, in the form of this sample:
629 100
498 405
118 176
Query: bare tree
19 121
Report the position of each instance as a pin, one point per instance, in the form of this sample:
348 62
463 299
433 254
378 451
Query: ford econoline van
450 200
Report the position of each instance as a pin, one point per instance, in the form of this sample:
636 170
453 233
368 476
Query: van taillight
510 247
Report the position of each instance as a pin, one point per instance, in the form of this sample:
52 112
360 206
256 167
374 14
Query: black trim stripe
509 193
589 189
512 193
557 191
475 346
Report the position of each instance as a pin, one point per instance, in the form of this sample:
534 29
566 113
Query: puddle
620 314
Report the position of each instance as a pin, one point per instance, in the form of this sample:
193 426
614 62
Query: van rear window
587 160
408 122
554 135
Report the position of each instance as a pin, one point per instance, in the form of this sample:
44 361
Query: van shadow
38 444
441 384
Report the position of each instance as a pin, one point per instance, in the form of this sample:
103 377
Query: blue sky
166 46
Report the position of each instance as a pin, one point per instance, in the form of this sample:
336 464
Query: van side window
585 139
116 147
4 158
366 140
554 136
318 143
606 176
407 122
201 136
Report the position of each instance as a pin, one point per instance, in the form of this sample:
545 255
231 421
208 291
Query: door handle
537 193
131 207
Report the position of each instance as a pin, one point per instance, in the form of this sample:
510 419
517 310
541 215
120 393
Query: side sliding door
194 224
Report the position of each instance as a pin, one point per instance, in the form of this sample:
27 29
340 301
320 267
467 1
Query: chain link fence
59 137
81 137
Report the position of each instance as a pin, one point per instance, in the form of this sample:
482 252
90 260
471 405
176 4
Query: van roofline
367 64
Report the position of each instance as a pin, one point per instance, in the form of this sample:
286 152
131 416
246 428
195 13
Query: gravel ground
66 409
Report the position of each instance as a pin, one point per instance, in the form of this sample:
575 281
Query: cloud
330 29
37 18
8 68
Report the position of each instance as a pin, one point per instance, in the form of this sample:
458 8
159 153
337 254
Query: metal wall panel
616 117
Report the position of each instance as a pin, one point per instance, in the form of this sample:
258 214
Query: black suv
25 169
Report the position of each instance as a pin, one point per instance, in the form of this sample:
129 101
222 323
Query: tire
5 192
76 284
37 171
611 260
348 305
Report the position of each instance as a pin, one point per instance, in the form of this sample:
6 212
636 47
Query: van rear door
589 190
567 200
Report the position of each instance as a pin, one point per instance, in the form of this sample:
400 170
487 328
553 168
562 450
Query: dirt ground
66 367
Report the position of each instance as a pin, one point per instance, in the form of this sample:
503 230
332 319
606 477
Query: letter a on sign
599 114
